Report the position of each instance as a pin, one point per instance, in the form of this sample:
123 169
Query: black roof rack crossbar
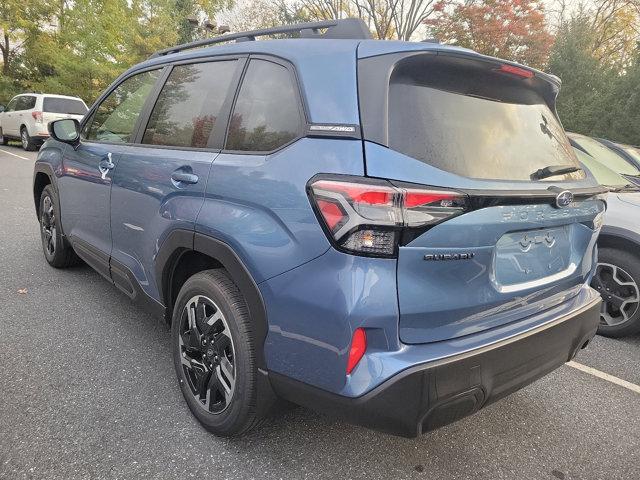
348 28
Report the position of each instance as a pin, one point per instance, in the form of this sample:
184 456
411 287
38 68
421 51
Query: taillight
367 217
358 347
37 116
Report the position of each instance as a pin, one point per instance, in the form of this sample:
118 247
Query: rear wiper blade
553 170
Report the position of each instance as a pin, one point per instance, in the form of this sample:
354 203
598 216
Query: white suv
27 115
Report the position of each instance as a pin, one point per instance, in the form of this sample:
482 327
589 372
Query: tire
3 140
55 247
617 279
27 142
218 377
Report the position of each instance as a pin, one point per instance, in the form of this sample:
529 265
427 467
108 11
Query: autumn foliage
511 29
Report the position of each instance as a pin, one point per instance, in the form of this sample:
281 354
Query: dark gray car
617 277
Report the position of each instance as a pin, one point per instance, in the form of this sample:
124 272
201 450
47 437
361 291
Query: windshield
604 175
472 121
634 152
606 156
69 106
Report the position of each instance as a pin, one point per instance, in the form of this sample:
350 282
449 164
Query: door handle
184 177
105 165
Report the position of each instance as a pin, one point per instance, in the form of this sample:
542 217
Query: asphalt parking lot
88 391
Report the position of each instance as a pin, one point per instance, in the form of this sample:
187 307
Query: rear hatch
521 244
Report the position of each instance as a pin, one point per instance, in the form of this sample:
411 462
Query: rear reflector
358 347
520 72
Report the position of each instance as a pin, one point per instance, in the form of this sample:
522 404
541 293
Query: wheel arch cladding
609 239
185 253
40 180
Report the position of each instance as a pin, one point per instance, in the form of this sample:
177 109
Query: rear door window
188 106
471 120
266 115
67 106
115 118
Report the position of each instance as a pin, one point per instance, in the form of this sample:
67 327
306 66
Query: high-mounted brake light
367 217
358 347
520 72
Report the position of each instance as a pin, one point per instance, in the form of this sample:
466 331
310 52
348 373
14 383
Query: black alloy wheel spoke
207 354
221 342
48 226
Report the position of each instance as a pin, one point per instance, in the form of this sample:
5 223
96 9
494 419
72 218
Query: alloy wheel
207 354
620 294
25 139
48 225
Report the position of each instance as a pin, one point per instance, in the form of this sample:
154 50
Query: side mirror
66 130
2 108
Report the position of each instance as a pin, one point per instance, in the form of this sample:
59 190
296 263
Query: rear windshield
63 105
474 121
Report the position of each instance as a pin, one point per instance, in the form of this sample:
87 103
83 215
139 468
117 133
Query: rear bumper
428 396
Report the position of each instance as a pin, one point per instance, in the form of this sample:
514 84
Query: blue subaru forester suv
394 233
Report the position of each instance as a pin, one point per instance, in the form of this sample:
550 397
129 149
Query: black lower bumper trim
431 395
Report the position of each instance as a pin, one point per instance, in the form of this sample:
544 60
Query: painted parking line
605 376
13 154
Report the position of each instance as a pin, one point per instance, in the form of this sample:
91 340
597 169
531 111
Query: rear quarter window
266 115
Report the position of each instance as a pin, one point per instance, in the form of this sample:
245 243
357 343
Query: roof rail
348 28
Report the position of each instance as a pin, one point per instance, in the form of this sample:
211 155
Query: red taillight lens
332 214
425 207
520 72
360 193
358 347
37 116
366 217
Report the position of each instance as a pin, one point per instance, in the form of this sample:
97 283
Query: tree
624 110
19 19
584 80
255 14
511 29
597 98
78 47
616 24
388 19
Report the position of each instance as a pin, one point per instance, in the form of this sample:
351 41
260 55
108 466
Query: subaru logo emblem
564 199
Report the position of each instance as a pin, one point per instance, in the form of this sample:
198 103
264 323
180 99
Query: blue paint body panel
258 204
414 311
147 205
